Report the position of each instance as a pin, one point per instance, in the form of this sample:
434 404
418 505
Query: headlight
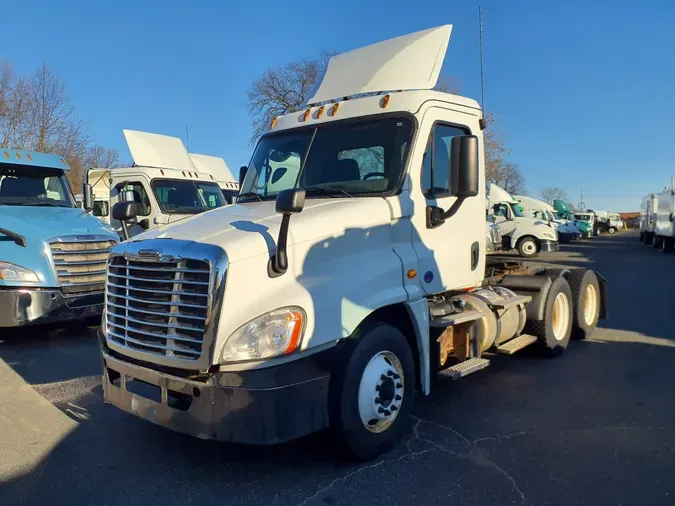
276 333
550 236
11 272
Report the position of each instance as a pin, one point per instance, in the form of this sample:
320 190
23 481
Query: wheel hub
381 391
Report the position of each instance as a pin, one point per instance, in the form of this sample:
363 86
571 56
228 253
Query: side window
436 164
140 196
500 210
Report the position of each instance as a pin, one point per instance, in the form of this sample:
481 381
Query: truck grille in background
81 266
158 307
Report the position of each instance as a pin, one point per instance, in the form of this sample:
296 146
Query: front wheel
527 247
612 230
371 397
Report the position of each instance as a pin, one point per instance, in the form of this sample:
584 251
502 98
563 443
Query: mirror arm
125 230
278 263
437 216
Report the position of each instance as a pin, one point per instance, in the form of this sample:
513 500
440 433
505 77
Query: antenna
483 124
187 138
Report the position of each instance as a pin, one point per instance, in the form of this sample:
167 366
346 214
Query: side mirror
290 201
464 166
242 175
88 196
123 212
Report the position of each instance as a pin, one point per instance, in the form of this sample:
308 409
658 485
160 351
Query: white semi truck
540 210
664 226
164 181
529 235
328 300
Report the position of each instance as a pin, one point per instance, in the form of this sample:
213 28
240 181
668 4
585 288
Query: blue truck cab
53 254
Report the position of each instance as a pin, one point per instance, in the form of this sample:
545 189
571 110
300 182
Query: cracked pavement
593 427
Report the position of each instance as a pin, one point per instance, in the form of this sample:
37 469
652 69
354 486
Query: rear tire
527 247
378 374
586 299
553 332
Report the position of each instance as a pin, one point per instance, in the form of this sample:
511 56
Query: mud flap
604 310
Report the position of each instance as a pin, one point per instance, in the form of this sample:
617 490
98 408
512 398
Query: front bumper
263 406
547 246
25 306
565 237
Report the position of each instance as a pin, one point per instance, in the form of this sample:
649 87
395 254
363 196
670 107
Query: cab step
465 368
512 346
455 319
511 302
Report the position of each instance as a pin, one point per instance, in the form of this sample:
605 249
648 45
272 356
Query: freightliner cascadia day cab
350 271
164 182
220 172
528 235
52 253
563 211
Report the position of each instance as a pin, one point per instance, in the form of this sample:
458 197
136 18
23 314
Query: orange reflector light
296 317
273 123
197 175
319 112
211 177
6 154
384 102
412 273
162 171
183 173
18 156
334 109
306 115
29 157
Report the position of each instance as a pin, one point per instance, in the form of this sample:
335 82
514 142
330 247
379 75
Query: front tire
553 332
586 300
612 230
527 247
371 397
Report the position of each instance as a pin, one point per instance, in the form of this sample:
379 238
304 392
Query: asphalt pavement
592 427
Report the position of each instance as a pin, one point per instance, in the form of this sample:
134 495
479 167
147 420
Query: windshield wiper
329 191
250 194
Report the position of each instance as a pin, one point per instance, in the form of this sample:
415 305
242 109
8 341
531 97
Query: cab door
142 194
451 255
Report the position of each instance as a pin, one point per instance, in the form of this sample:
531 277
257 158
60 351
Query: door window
436 164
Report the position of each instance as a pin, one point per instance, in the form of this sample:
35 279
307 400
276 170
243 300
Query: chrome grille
156 307
81 264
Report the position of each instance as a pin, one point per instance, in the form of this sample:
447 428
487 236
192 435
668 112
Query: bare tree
102 158
498 171
551 193
284 89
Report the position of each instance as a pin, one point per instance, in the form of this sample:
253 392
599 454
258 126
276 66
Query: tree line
285 89
36 114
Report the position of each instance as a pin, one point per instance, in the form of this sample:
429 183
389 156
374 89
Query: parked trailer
328 302
664 228
648 213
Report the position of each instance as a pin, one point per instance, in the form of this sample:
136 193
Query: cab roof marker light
334 109
319 112
18 156
305 116
273 123
385 101
29 157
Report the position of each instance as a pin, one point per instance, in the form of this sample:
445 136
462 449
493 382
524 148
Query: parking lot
593 427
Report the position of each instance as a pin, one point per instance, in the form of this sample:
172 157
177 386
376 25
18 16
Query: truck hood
252 228
37 225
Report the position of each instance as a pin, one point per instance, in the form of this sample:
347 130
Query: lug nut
383 377
390 373
398 397
380 410
393 408
399 385
377 400
395 376
387 412
377 388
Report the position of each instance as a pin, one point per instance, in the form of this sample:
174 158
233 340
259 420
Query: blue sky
584 89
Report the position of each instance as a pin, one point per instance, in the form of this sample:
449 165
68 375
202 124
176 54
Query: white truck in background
530 236
607 222
664 227
648 213
220 172
164 182
540 210
335 288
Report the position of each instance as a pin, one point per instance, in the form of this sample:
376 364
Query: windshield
230 195
179 196
517 210
583 217
31 187
348 159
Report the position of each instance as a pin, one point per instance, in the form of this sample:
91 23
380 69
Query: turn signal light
319 112
335 108
412 273
306 115
384 102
